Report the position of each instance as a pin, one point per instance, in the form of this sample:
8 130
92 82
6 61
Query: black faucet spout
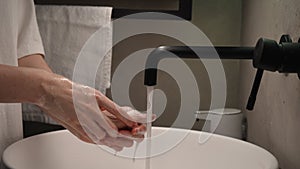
188 52
267 55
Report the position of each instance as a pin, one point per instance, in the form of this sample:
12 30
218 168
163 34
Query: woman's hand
139 130
78 108
74 106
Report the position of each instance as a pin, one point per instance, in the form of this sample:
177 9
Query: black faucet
266 55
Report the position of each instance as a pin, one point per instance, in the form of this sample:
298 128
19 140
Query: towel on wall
64 31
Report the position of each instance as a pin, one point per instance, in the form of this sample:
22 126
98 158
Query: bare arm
23 84
20 84
34 82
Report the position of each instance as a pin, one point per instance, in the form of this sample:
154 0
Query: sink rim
272 158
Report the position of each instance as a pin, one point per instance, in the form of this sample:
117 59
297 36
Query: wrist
22 84
41 80
50 87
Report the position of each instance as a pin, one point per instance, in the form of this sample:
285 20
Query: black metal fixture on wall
267 55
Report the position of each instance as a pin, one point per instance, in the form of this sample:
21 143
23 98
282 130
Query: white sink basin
61 150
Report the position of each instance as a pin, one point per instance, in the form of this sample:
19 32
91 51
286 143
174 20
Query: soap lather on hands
90 115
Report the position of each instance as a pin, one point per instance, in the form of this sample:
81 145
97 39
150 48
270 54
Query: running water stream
150 90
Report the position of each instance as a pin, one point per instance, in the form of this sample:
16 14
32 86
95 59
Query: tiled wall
275 122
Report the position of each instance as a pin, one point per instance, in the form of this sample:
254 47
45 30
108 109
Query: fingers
97 122
112 129
136 116
139 130
128 134
79 133
114 109
86 122
98 129
117 143
90 134
127 115
94 132
124 139
117 148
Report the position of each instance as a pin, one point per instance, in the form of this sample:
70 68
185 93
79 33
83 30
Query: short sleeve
29 39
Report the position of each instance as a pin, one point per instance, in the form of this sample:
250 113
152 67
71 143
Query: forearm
21 84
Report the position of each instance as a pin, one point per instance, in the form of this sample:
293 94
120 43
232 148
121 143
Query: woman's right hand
78 108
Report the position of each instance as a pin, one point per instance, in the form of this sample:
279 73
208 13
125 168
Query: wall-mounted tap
266 55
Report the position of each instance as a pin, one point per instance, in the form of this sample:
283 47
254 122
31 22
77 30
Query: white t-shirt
19 36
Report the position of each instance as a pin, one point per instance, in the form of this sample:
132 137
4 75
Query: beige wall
221 22
275 122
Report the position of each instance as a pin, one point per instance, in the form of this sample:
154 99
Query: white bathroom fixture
226 121
61 150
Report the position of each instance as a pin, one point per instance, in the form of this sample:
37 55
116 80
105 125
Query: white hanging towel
64 31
